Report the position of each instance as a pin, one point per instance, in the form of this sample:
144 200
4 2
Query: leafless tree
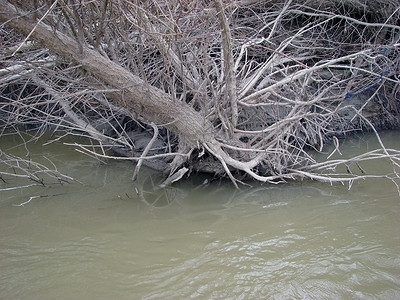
243 88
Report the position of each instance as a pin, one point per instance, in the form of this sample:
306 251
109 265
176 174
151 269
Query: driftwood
238 88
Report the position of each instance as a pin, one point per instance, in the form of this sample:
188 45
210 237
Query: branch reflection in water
107 237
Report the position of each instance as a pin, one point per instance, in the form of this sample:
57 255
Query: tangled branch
269 81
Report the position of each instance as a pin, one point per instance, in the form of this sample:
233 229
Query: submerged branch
242 89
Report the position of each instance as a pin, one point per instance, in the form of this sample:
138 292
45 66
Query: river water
109 238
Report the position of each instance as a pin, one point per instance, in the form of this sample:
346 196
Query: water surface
109 238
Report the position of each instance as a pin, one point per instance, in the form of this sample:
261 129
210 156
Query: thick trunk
135 94
262 86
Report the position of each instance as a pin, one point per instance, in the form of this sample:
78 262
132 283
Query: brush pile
272 80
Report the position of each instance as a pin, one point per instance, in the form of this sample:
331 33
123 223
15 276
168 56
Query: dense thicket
242 88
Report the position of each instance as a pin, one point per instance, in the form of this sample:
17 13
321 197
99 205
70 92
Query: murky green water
101 240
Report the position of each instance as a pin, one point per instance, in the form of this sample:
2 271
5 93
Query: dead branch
245 89
12 166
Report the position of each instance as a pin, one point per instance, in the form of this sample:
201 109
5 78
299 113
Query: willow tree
243 88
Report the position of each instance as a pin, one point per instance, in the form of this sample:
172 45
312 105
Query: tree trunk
134 93
251 85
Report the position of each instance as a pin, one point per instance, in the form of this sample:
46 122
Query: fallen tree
244 88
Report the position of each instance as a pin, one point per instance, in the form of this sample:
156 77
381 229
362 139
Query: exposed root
260 83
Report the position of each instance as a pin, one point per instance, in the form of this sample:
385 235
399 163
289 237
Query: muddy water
107 238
